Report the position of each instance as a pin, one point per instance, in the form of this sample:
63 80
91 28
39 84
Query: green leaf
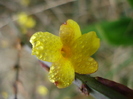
130 2
119 32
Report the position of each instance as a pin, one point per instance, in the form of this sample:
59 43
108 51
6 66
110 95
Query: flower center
65 51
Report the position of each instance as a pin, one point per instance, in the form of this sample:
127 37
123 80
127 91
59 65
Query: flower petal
86 45
62 73
69 32
46 46
85 65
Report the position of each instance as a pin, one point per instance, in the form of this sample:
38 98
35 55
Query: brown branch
17 68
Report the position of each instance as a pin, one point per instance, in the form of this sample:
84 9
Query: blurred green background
19 19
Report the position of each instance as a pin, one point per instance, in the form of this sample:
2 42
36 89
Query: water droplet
43 40
41 56
52 76
91 68
91 63
79 60
37 43
33 37
67 83
52 80
74 58
37 52
75 46
88 63
90 59
82 46
41 47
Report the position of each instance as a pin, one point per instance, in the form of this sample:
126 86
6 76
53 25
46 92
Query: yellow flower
4 94
26 21
42 90
69 53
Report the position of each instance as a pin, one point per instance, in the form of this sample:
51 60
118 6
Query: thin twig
17 68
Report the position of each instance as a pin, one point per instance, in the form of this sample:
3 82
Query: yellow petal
86 45
69 32
62 73
46 46
85 65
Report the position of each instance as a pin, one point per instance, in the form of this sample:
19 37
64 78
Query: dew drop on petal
90 59
37 53
40 47
82 46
